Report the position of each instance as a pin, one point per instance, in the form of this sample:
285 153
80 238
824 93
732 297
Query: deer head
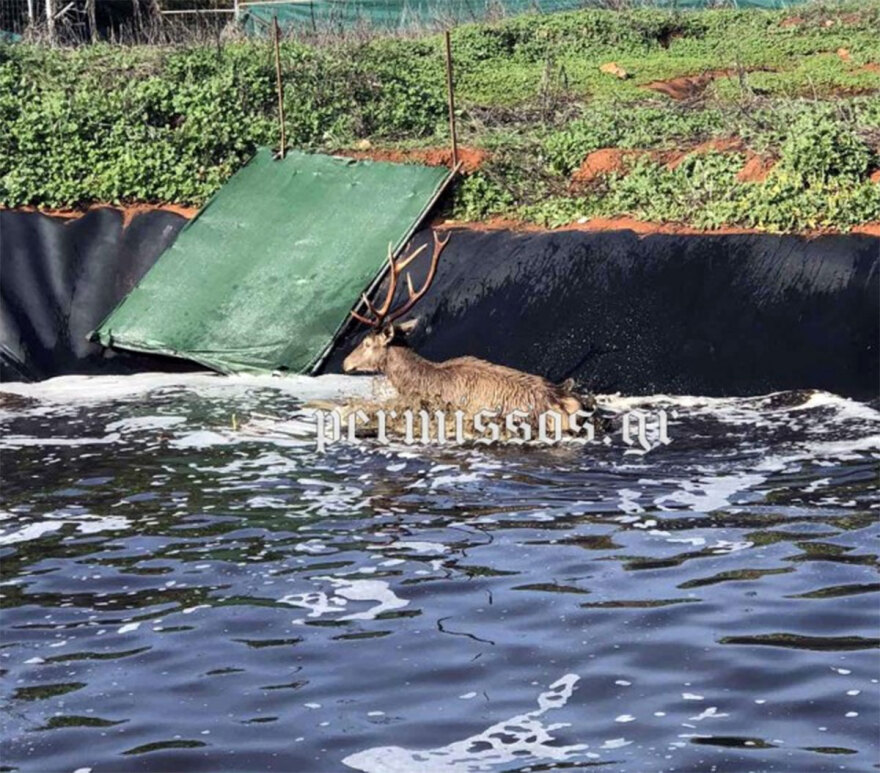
371 354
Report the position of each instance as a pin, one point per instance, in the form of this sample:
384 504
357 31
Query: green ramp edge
264 277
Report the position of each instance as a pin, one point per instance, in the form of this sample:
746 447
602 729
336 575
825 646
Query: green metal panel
408 13
265 275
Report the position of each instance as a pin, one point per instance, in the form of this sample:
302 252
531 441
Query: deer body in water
465 383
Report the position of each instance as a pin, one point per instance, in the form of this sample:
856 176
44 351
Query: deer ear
387 334
407 327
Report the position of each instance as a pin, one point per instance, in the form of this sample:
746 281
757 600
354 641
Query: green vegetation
114 124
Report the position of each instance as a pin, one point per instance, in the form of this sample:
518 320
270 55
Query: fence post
93 24
450 89
279 84
50 21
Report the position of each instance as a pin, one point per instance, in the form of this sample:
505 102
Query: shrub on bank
110 124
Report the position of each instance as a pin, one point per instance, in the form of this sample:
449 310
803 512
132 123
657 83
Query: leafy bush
629 126
817 152
110 124
478 197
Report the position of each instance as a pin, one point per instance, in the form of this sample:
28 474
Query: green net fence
390 14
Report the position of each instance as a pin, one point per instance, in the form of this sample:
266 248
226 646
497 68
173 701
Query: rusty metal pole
280 86
450 92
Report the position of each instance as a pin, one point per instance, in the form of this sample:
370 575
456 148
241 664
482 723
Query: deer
467 383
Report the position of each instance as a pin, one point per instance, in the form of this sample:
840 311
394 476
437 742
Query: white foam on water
615 743
710 713
268 503
628 502
368 590
203 438
319 603
312 546
60 394
30 532
85 524
98 389
144 423
708 493
522 737
413 546
768 412
20 441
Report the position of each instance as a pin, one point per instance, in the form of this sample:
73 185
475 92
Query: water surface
188 585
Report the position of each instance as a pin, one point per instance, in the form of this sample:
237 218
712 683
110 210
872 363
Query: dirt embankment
129 211
687 86
471 158
619 160
597 164
597 224
640 227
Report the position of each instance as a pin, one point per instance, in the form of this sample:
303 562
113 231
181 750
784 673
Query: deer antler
381 314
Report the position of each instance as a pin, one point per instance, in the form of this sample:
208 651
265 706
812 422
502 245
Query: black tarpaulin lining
709 315
59 278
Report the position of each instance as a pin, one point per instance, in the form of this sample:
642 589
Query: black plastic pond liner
709 315
704 315
58 280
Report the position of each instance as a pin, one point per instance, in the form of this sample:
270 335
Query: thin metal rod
279 85
450 91
30 7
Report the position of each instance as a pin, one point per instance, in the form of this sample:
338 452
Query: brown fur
468 383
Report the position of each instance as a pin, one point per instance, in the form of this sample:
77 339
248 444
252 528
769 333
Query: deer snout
357 362
349 365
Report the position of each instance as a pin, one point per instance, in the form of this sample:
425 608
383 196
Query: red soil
875 176
602 162
129 211
617 160
869 67
640 227
843 53
597 224
471 158
791 21
686 86
755 169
